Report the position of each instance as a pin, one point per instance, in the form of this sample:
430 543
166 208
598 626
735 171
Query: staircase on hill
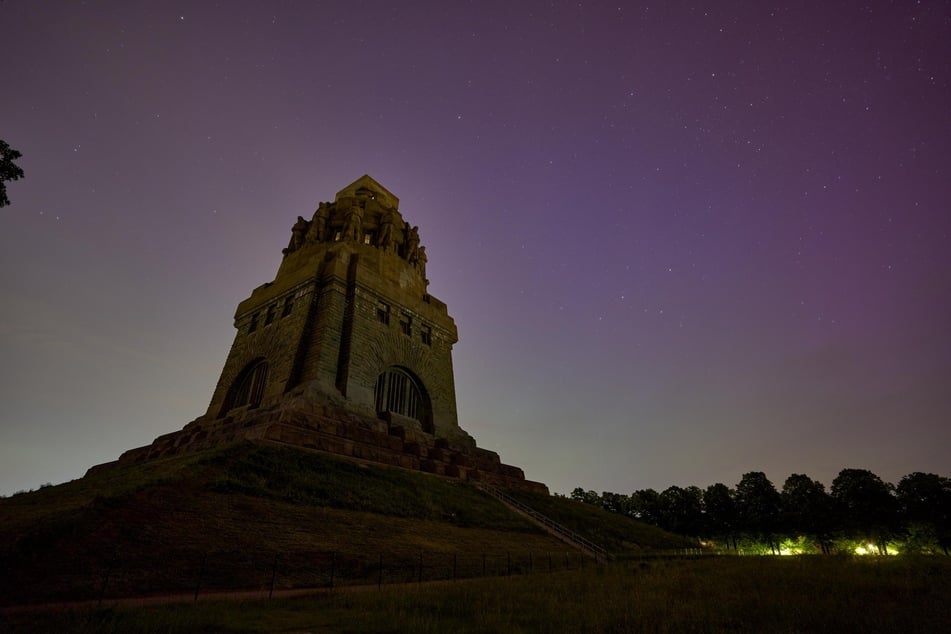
549 525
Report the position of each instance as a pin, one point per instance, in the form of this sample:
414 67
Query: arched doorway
400 392
248 387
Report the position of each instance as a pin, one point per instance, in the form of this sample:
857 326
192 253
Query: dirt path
235 595
164 599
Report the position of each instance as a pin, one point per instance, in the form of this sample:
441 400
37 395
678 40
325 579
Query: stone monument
345 351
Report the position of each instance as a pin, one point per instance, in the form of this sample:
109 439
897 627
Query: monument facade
346 351
348 316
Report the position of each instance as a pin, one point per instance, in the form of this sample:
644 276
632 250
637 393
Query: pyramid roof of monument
366 181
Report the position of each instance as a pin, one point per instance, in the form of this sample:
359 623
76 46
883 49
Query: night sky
681 241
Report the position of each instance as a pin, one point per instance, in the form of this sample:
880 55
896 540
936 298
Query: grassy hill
248 516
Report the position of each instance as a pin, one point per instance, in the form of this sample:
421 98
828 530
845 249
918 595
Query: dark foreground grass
713 594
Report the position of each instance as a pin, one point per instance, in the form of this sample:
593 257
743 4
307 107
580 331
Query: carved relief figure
318 226
385 241
298 233
420 263
412 242
353 221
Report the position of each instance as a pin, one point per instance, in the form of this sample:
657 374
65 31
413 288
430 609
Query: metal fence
197 574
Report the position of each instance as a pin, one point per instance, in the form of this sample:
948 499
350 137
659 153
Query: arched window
400 392
248 388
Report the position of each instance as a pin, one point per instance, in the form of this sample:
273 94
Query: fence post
333 566
201 573
105 580
270 591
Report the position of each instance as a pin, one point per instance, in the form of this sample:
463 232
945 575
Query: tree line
858 511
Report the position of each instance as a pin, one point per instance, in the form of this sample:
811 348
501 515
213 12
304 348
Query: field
708 594
387 550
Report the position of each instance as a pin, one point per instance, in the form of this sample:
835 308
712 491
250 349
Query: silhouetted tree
808 510
615 502
588 497
758 506
681 510
645 506
859 506
925 500
9 171
720 511
866 507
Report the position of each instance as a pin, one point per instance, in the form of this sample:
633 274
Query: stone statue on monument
353 223
318 225
420 262
385 240
412 242
298 234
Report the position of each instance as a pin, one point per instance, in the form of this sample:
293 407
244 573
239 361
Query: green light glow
871 549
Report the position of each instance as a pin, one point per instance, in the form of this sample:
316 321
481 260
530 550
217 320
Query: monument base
310 424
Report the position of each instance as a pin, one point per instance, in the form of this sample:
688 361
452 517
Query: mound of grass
24 511
314 479
239 516
615 533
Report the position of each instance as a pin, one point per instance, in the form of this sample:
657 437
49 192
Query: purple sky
680 241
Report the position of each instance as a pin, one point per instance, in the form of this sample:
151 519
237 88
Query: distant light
871 549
